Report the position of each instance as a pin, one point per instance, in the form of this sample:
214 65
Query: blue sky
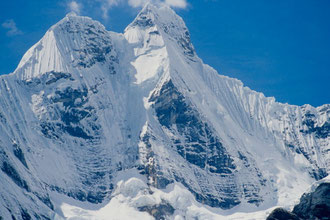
278 47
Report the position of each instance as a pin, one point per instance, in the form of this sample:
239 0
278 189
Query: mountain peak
155 14
73 42
71 14
162 20
73 23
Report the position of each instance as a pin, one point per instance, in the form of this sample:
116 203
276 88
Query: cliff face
314 204
87 108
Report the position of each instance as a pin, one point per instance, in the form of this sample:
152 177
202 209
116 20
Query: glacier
102 125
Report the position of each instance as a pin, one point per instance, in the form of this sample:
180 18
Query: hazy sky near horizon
280 48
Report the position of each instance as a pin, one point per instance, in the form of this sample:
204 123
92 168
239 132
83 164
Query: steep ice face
161 21
56 111
86 109
200 152
73 43
150 35
189 92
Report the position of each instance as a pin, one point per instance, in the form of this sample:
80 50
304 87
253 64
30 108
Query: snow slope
98 124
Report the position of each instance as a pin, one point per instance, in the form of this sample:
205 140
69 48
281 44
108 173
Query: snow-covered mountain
98 124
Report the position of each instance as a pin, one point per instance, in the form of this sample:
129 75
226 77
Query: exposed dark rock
323 131
160 211
196 143
282 214
185 43
182 37
97 45
8 169
46 200
53 77
11 214
47 78
319 131
143 19
201 147
48 130
2 118
76 131
96 197
151 169
68 96
19 154
315 204
78 194
211 200
312 206
319 173
68 120
91 196
25 215
316 172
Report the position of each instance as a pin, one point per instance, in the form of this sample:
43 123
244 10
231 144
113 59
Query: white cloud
137 3
176 3
106 5
172 3
74 7
11 26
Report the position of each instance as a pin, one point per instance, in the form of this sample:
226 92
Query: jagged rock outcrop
282 214
313 205
316 204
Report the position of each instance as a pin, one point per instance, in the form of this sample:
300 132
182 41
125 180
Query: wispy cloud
74 7
10 25
177 3
172 3
106 5
137 3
